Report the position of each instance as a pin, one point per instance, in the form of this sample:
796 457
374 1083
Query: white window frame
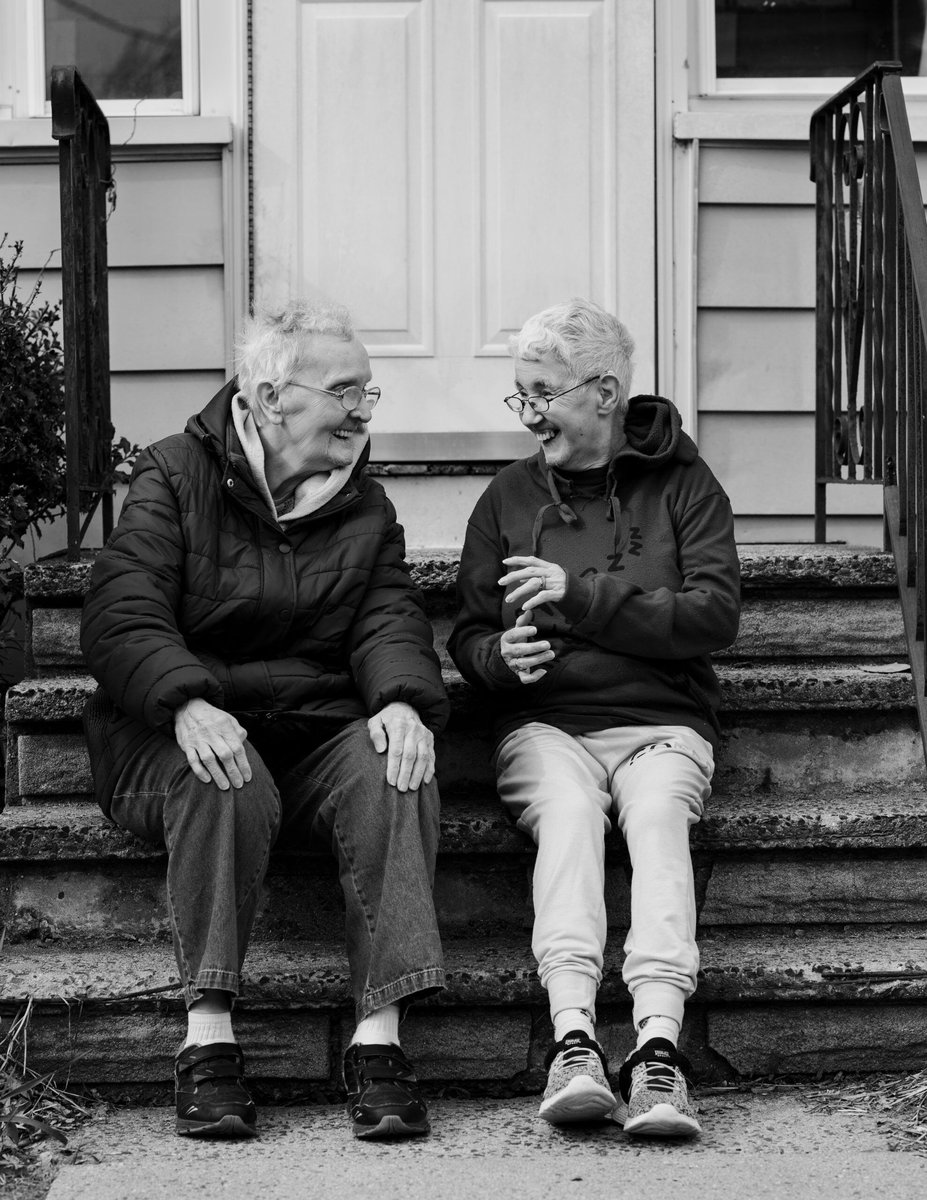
29 99
772 87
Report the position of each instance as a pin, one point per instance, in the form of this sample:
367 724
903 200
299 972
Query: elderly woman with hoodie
596 578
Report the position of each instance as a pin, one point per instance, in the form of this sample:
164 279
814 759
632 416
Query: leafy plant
32 1109
32 448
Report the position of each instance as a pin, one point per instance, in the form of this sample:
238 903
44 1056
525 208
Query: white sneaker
653 1099
577 1082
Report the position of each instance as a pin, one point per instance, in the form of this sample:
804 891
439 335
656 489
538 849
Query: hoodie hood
655 436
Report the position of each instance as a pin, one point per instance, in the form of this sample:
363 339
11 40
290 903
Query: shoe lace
657 1076
579 1055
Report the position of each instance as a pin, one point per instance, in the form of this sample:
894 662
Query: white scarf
312 492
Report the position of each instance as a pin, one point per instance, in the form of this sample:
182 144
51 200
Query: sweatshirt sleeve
699 617
477 633
129 630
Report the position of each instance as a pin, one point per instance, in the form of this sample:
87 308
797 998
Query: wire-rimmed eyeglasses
350 397
516 402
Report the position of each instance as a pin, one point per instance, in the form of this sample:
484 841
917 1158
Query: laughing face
321 434
575 433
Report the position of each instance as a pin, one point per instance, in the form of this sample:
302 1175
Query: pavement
766 1141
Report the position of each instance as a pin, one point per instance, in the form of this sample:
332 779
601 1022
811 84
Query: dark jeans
218 844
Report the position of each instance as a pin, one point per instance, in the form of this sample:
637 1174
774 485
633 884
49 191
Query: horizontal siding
765 462
754 175
755 360
167 213
161 318
756 256
755 345
146 407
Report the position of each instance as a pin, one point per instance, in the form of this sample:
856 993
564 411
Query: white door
446 168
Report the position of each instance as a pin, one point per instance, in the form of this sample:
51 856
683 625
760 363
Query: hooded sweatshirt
653 585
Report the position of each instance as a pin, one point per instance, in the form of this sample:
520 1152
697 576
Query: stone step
783 722
769 1001
798 601
815 627
67 874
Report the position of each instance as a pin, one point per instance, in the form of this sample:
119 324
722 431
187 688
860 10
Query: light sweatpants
564 789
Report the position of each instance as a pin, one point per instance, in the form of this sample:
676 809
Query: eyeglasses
540 404
350 397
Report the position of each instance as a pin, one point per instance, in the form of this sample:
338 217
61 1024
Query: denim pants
563 790
218 845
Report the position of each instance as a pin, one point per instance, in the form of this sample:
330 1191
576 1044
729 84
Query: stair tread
801 563
824 818
744 965
744 685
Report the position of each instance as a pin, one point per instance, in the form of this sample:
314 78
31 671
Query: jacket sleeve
391 647
699 617
477 633
129 630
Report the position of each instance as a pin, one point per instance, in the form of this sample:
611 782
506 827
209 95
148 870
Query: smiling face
317 432
577 432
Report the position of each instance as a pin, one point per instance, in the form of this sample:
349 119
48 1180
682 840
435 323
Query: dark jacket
200 592
653 585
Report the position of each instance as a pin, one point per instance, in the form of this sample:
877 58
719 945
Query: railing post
85 178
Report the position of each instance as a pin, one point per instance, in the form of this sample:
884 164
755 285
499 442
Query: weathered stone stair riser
816 833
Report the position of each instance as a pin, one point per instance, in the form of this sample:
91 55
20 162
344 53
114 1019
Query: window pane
757 38
124 49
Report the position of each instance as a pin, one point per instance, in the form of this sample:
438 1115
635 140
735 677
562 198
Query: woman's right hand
214 743
523 656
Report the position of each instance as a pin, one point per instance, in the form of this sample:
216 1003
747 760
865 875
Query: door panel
446 168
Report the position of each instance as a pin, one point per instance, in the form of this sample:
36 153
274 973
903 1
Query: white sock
568 1020
204 1028
657 1027
381 1028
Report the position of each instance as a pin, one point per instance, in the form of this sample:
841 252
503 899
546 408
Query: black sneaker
383 1095
653 1095
212 1100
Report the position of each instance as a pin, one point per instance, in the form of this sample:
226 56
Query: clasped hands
214 744
532 581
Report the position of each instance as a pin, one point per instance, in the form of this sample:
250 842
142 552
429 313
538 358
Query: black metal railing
871 385
85 180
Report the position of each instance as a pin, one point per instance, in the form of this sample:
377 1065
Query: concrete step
792 595
67 874
768 1001
863 730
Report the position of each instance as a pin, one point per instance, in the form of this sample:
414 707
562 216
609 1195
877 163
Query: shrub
32 449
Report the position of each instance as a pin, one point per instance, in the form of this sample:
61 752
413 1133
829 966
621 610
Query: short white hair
273 344
584 337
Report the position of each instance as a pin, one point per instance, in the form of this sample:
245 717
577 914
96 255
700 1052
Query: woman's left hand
410 761
535 582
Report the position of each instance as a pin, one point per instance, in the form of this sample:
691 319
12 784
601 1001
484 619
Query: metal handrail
85 178
871 325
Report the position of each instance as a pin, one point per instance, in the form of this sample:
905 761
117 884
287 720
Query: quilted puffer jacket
199 592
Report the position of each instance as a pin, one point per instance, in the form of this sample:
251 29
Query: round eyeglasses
350 397
517 402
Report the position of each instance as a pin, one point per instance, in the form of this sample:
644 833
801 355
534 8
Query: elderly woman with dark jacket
267 673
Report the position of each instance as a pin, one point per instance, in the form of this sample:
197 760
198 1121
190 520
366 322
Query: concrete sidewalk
766 1142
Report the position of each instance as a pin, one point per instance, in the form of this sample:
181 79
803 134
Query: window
136 56
785 46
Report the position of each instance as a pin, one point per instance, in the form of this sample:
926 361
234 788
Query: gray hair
273 344
584 337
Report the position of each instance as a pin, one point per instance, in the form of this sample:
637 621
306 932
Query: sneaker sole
663 1120
391 1126
228 1126
581 1100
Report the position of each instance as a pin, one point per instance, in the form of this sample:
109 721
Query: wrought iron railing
85 180
871 382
